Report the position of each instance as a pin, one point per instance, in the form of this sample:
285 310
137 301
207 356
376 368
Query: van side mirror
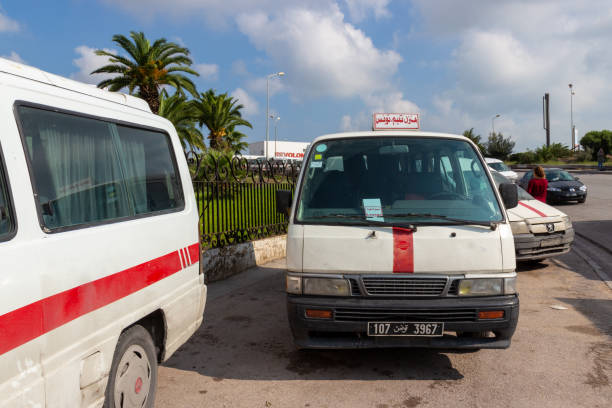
283 201
509 194
576 178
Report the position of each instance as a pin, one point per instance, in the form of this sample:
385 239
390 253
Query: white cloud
251 107
207 71
359 9
357 122
7 24
322 54
216 13
13 56
508 54
239 68
87 62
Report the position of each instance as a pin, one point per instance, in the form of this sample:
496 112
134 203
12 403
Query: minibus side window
75 168
88 171
150 172
7 224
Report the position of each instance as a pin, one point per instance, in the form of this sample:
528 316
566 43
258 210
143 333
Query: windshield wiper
451 220
362 219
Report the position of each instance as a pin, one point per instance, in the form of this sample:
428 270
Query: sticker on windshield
321 148
316 164
373 209
318 156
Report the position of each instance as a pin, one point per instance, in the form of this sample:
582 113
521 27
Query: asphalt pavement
561 353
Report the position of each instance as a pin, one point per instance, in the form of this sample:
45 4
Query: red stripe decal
29 322
540 213
194 253
403 250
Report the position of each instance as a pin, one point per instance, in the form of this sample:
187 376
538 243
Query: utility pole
571 88
546 116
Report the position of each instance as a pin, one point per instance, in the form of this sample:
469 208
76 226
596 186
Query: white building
280 150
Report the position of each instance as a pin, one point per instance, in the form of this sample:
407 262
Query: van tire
132 380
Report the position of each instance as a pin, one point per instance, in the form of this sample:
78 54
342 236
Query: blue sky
457 63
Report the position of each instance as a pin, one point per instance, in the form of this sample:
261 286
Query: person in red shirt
538 184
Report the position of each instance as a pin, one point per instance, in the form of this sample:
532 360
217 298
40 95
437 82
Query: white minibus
99 253
390 245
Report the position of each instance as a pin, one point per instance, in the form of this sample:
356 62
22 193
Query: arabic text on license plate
427 329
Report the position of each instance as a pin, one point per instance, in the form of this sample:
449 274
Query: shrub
544 154
528 157
584 155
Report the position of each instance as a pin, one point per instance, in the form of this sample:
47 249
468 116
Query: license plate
551 242
427 329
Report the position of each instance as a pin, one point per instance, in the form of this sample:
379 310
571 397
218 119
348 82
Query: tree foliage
147 67
474 138
221 115
596 139
499 146
182 113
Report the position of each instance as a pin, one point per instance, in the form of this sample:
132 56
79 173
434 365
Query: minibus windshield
396 181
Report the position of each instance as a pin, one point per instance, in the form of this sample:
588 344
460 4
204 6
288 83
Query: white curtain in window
84 171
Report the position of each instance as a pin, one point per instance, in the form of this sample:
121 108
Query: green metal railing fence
237 198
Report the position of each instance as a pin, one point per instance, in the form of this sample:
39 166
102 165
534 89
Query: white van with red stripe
391 244
99 250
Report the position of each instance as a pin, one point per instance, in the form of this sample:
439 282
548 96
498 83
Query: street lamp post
571 88
493 123
277 74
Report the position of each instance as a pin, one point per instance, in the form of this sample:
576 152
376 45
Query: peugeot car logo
550 227
571 189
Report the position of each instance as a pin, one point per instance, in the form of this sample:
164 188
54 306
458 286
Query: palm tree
147 67
474 138
234 140
221 114
182 114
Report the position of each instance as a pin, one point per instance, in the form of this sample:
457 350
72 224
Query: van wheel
133 375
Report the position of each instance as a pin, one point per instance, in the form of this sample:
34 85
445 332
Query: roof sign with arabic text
395 121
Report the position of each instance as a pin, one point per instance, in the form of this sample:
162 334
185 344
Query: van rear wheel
133 375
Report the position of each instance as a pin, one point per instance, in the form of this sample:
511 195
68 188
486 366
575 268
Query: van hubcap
133 378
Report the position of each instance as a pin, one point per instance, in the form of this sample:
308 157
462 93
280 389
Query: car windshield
499 166
522 194
558 175
394 180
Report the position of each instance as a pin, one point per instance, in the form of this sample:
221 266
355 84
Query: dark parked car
562 186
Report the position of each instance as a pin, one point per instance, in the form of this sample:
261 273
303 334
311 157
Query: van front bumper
350 316
534 247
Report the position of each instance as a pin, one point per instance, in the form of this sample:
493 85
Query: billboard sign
395 121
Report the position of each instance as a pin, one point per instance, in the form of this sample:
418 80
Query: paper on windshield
373 209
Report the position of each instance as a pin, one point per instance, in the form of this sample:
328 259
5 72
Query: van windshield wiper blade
451 220
365 221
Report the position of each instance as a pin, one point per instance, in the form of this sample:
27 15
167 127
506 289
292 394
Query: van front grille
404 286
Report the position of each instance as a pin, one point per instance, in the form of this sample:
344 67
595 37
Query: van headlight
519 227
326 286
487 286
553 189
583 188
481 287
567 222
